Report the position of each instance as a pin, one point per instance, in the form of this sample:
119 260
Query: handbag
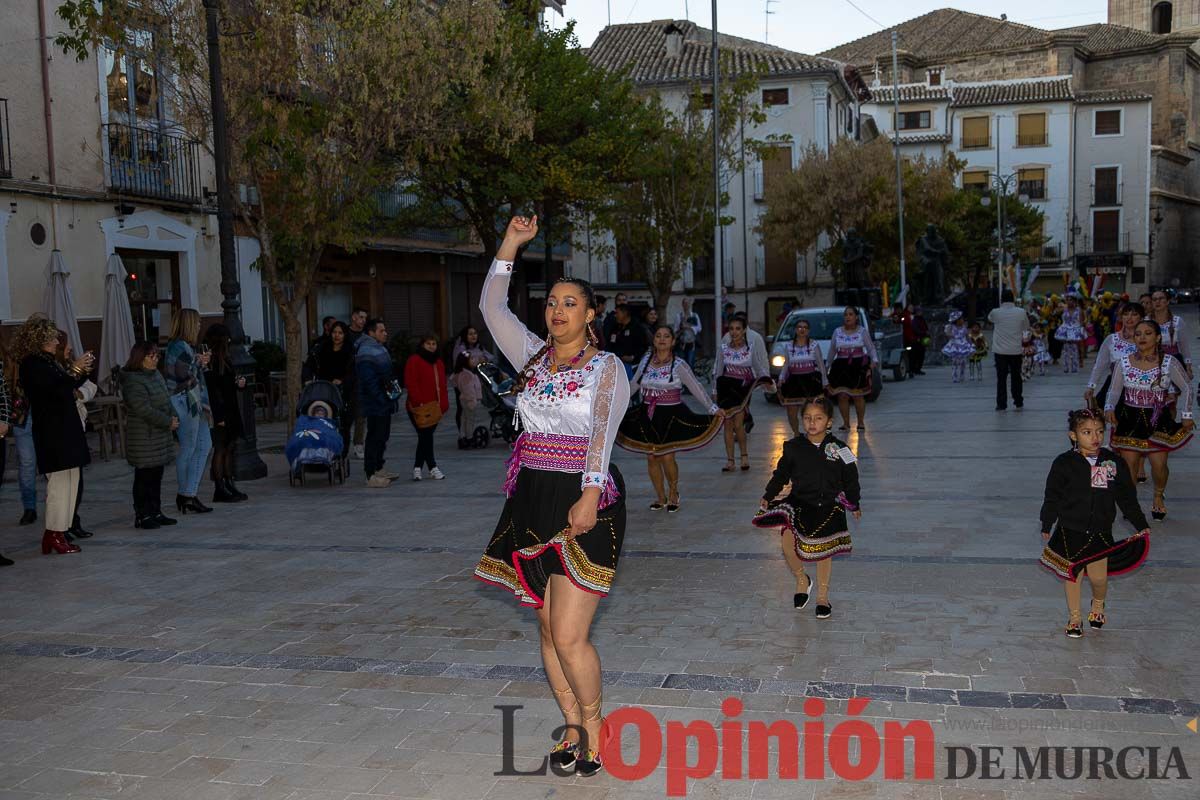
429 414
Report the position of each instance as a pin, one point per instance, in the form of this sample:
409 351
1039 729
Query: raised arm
608 408
692 384
511 335
636 383
1103 362
1187 395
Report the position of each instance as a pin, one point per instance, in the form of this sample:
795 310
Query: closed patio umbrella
58 304
116 331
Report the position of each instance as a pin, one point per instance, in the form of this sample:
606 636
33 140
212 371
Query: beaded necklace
557 368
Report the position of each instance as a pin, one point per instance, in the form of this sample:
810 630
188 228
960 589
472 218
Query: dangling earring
593 339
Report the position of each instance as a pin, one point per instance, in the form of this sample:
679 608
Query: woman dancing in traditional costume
1085 487
824 486
1174 333
1071 333
854 360
1140 410
803 374
560 533
740 367
1114 347
662 424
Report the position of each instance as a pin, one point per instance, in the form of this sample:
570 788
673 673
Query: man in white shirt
1008 323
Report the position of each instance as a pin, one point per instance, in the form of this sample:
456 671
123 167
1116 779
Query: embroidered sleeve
1103 362
608 408
718 364
787 363
869 346
816 351
758 358
1117 387
1187 396
636 384
511 335
1181 341
692 384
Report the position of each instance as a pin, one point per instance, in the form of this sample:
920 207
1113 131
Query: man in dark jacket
627 340
376 399
358 321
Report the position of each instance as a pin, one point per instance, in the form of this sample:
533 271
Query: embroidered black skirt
819 532
1067 552
1135 430
672 429
850 376
528 546
798 388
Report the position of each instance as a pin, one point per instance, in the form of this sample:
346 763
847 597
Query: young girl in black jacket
1085 487
824 486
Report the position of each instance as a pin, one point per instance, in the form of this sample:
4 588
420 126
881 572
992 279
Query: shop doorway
152 285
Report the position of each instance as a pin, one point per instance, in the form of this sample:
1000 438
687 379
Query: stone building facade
955 45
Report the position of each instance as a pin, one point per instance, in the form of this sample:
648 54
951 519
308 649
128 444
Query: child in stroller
316 441
498 399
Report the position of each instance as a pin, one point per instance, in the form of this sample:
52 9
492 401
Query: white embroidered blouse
851 344
1146 388
1110 353
1175 339
803 359
660 379
587 401
748 361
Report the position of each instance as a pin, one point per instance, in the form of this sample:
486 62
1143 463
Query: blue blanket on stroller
314 440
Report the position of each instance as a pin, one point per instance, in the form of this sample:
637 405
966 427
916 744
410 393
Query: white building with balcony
1081 157
807 101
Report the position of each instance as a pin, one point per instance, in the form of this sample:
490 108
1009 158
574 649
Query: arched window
1160 18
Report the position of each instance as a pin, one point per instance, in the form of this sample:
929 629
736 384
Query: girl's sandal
1158 509
1096 618
590 762
564 754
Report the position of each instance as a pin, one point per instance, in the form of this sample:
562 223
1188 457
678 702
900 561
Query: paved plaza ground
326 643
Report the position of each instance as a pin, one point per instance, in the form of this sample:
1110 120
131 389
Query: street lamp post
1001 184
719 244
247 465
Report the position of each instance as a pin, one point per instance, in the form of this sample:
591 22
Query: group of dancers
558 541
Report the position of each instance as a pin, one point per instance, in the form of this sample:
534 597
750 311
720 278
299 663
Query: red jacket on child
425 382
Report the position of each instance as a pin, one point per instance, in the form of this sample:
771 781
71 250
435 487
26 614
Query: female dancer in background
739 368
1115 346
1174 333
662 425
1140 410
803 374
560 533
959 347
1085 487
854 360
1071 333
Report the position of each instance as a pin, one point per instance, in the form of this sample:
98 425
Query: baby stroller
501 405
316 443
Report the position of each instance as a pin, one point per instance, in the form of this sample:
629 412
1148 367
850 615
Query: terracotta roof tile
1098 96
910 93
642 48
997 94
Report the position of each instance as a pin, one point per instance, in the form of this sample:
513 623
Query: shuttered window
976 179
410 308
1031 130
1106 231
976 132
1108 123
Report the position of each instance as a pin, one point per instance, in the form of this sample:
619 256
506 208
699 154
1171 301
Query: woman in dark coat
223 385
333 361
150 422
58 438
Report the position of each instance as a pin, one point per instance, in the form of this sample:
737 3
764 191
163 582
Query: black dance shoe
29 517
800 599
163 519
672 508
77 531
564 755
588 764
824 611
657 506
146 522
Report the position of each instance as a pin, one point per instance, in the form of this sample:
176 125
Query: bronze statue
934 255
857 253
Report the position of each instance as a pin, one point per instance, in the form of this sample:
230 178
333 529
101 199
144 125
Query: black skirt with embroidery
528 546
673 428
819 532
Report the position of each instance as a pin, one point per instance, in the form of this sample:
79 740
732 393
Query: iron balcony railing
976 142
1038 139
5 142
1105 243
147 162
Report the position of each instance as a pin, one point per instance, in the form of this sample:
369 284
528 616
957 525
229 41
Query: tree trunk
295 358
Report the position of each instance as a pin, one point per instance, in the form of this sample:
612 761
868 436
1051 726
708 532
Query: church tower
1156 16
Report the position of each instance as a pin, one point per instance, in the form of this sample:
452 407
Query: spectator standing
58 438
687 332
84 394
21 428
6 414
335 364
627 339
597 323
377 395
428 400
1008 325
358 323
610 321
150 423
920 328
184 371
